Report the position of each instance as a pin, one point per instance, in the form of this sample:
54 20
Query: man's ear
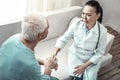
40 36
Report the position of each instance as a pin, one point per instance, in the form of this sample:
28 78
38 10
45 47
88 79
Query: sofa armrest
110 39
107 57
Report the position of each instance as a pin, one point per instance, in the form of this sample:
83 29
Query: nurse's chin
86 22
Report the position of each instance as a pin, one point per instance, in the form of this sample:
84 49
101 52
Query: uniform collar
94 29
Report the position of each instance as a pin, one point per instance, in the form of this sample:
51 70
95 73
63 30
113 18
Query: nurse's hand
49 64
56 60
79 70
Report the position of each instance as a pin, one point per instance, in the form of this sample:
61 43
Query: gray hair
32 25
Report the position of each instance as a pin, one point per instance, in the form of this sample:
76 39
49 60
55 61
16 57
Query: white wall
111 13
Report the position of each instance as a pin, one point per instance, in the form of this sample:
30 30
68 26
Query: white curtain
46 5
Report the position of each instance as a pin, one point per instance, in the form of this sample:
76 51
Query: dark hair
98 8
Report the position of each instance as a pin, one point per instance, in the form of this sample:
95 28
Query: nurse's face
89 15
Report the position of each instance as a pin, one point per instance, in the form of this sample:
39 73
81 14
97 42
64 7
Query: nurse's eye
89 15
83 13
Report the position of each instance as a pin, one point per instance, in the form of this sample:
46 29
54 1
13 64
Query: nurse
89 39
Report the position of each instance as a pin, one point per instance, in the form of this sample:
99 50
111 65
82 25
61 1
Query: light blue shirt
17 62
84 43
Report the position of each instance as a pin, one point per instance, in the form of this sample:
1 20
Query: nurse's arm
88 63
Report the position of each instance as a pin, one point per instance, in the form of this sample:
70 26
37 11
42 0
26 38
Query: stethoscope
95 47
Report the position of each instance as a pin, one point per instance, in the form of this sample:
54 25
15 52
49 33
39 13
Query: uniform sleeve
101 47
45 77
62 40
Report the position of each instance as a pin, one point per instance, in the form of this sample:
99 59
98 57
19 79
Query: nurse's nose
84 16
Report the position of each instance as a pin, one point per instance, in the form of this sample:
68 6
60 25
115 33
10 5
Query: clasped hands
51 62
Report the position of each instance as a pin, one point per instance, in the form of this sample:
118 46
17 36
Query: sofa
58 23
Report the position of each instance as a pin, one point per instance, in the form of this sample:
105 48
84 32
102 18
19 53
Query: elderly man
17 58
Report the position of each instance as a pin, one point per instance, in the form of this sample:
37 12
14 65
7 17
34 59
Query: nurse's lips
85 20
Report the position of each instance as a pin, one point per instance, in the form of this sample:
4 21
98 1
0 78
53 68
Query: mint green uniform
17 62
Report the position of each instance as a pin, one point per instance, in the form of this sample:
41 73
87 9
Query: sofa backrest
8 30
59 20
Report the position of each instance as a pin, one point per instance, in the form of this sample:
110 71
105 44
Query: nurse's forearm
41 62
56 51
88 63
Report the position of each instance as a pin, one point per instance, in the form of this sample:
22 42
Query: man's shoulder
11 40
